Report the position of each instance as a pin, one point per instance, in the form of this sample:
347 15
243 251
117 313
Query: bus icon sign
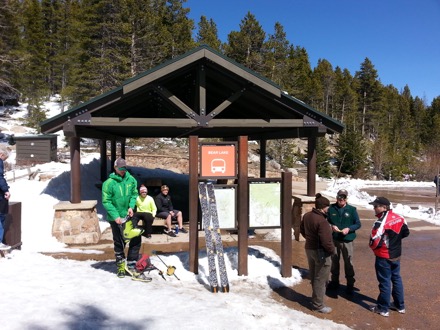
218 165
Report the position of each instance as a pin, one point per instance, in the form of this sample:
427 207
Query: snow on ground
40 292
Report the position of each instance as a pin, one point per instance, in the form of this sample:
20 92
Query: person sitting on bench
165 210
145 210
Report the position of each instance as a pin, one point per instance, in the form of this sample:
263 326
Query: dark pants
147 220
119 244
346 250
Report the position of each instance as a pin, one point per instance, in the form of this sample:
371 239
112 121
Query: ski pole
170 269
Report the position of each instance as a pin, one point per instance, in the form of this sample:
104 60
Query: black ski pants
119 244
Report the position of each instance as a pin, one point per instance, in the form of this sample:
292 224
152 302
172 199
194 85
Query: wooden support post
286 224
243 202
75 170
193 205
311 165
103 156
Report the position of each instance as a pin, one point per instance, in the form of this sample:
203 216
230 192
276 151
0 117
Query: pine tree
369 92
207 34
324 81
179 27
33 80
323 168
300 82
10 44
276 56
351 153
245 46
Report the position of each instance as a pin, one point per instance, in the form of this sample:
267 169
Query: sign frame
217 159
275 221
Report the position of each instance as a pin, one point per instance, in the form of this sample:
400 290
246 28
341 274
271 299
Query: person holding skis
119 193
4 197
386 242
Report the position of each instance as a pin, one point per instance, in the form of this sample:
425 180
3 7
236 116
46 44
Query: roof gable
200 93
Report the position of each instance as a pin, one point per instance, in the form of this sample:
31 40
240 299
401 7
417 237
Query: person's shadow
290 294
356 297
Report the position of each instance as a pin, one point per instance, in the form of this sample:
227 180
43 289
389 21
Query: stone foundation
76 223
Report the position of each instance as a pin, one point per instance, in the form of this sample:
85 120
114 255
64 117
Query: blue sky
400 37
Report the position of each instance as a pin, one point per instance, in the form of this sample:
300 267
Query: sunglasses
341 197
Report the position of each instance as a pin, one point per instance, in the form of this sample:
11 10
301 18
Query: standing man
344 220
4 197
119 194
319 247
386 242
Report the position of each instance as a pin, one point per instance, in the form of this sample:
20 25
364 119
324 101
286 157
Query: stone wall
76 223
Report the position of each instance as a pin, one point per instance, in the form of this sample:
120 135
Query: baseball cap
342 193
380 201
121 164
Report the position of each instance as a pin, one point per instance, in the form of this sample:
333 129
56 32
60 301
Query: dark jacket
317 231
4 188
344 217
387 234
118 195
163 203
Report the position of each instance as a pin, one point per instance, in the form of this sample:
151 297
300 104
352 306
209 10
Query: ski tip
225 288
214 289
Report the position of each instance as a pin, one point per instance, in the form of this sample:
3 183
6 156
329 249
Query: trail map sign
264 204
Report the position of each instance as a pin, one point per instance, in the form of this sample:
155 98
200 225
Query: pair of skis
214 245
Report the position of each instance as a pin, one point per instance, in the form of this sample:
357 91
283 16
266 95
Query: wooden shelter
197 95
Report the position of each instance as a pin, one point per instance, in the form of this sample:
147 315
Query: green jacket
345 217
118 195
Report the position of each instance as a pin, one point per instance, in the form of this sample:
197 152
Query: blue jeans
388 273
2 226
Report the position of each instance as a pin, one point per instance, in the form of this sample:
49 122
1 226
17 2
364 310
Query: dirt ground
419 266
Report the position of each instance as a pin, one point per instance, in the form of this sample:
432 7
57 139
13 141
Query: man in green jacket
119 193
344 220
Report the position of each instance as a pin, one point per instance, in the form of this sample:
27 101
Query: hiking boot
120 271
333 285
4 247
376 310
394 308
183 230
141 277
170 233
324 310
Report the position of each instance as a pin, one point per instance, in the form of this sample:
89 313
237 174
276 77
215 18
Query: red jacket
387 233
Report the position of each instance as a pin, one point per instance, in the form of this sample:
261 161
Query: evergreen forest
79 49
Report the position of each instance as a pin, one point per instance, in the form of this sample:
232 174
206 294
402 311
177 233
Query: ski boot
120 264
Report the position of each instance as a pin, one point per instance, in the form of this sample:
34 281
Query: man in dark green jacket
119 193
344 220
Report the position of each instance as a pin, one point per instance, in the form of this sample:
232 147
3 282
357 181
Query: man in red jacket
386 242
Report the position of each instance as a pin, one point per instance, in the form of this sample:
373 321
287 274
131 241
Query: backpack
144 264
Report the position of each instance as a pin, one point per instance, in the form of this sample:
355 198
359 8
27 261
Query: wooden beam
193 205
75 170
286 224
143 122
226 103
311 165
243 201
